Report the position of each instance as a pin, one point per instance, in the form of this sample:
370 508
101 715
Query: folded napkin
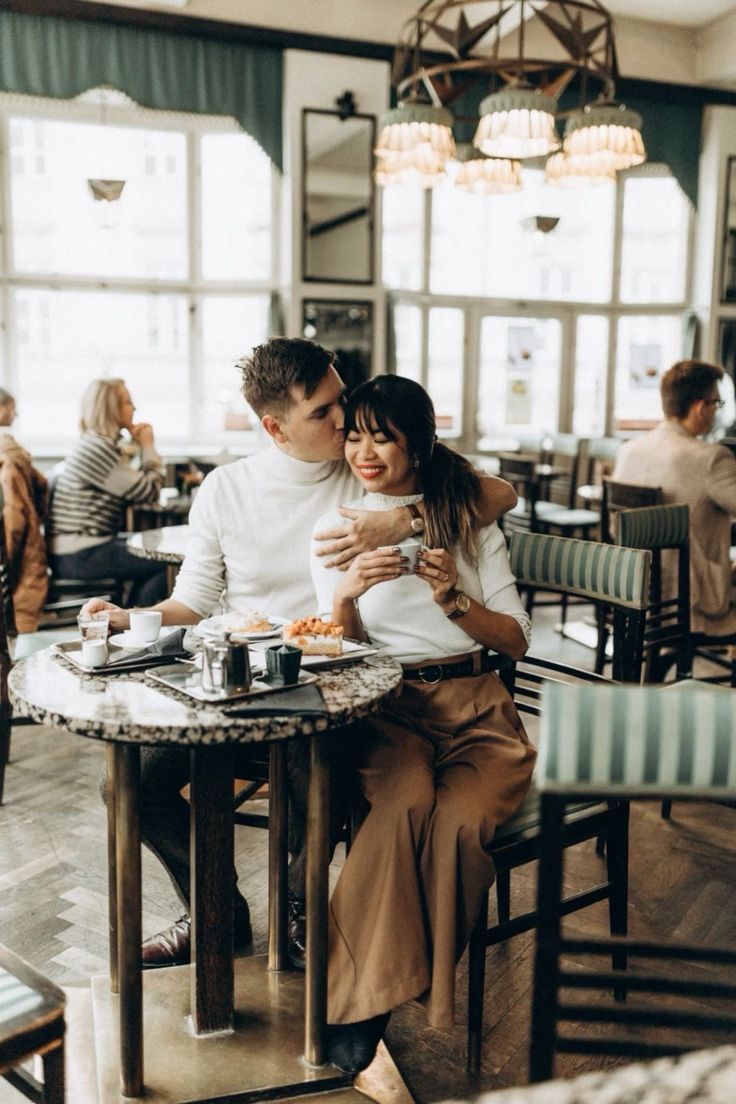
169 644
307 701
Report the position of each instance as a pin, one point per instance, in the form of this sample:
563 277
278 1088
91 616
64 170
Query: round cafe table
167 545
198 1047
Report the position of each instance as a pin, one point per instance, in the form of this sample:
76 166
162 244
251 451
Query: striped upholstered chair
597 573
614 743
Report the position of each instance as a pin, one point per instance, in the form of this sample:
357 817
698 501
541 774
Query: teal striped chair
618 743
597 573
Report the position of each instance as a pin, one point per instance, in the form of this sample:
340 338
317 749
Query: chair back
623 496
664 530
564 454
605 575
521 474
600 456
621 743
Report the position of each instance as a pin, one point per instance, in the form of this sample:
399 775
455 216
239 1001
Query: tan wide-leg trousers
443 767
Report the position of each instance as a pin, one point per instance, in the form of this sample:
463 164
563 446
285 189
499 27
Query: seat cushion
527 818
575 519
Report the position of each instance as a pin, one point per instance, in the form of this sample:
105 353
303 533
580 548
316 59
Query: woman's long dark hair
450 486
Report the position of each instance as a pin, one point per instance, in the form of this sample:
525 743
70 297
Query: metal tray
72 650
187 680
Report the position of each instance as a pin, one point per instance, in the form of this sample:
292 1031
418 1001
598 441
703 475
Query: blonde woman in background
94 487
25 497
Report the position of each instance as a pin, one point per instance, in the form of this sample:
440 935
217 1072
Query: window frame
193 287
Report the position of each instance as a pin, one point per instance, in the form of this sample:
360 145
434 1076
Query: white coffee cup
410 549
94 653
145 625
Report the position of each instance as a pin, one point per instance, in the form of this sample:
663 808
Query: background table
257 1050
166 545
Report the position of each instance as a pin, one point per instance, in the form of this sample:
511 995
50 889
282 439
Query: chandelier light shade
483 175
516 57
562 173
415 169
517 122
604 138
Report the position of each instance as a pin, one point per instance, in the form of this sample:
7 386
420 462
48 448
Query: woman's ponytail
451 499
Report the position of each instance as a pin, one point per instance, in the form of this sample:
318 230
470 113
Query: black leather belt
477 663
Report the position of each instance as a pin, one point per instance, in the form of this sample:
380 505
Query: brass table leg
128 861
278 856
318 857
112 868
212 873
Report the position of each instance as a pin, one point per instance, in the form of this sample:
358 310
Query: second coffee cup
145 626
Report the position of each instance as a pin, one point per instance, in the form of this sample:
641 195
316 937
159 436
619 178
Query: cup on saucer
145 626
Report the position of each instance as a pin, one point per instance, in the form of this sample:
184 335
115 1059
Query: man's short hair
685 383
275 373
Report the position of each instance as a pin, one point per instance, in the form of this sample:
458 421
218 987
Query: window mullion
195 314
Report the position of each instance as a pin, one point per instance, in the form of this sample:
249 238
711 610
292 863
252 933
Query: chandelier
524 54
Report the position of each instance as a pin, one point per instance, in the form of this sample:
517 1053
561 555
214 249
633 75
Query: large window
166 286
542 311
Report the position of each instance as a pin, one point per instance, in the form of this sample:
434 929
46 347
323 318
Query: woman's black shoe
352 1047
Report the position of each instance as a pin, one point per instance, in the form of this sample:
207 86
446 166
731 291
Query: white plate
122 640
351 650
222 623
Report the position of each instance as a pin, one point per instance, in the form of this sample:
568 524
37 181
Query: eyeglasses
718 403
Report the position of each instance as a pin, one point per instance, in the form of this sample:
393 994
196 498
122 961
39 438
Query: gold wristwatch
462 605
417 521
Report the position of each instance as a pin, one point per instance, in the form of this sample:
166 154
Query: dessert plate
228 622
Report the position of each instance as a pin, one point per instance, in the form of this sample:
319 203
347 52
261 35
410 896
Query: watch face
462 602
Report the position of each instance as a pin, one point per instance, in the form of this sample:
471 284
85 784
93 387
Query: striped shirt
92 490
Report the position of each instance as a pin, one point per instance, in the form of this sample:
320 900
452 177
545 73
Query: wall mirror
728 267
338 198
347 329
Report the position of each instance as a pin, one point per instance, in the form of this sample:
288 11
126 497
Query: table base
262 1059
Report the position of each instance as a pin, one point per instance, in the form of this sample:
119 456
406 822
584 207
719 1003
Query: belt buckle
424 672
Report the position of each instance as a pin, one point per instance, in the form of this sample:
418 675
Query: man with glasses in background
687 469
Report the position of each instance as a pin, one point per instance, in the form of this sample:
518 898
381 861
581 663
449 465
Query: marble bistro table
212 1030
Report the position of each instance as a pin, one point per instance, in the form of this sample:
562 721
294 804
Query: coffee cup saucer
128 642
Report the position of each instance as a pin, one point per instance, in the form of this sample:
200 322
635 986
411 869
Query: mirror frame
306 278
727 291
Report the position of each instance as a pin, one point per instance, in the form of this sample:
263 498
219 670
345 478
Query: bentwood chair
619 577
617 496
616 743
31 1022
558 510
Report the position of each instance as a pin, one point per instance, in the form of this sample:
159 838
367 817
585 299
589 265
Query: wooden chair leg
476 988
53 1075
503 895
666 809
617 863
602 640
5 729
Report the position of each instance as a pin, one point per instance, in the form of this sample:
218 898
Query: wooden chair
599 459
521 474
618 496
587 569
31 1022
618 743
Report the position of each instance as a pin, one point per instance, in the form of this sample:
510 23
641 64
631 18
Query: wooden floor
53 897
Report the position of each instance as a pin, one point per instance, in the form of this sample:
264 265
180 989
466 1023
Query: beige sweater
704 477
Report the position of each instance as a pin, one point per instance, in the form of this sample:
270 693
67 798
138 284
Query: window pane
591 362
492 245
236 208
445 369
519 379
654 247
408 336
59 228
66 339
403 219
231 326
647 346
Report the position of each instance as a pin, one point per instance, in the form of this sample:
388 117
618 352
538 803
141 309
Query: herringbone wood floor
53 897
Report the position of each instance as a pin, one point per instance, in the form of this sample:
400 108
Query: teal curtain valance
61 58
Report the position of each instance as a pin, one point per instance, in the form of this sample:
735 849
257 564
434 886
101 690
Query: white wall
316 80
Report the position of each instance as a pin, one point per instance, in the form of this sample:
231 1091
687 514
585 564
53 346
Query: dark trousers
165 813
113 560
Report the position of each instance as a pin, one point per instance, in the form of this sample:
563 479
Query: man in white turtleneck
251 526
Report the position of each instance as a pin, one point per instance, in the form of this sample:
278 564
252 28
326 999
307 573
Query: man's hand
364 531
119 618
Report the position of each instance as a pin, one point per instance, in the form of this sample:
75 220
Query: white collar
373 500
303 472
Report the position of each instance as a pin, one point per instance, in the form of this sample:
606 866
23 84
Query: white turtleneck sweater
251 525
401 616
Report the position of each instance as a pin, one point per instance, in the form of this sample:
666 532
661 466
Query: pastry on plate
249 621
314 636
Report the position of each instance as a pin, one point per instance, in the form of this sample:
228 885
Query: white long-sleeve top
401 616
251 525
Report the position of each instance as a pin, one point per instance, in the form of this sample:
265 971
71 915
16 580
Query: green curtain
52 56
671 129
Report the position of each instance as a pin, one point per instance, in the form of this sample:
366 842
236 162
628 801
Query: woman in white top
449 760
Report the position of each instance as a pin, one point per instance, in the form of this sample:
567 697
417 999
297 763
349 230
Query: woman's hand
364 530
142 434
367 569
437 567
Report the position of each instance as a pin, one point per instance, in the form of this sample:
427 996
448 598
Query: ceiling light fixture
530 51
483 175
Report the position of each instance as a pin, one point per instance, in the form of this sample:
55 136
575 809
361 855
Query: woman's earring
416 461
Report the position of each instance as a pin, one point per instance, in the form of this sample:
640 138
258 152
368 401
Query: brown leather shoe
296 933
173 947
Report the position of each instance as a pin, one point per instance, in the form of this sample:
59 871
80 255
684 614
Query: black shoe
296 932
173 947
352 1047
